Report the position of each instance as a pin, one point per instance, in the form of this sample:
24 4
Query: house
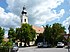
38 30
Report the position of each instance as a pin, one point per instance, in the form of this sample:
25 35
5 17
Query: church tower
24 17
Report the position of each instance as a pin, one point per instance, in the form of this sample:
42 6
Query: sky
40 12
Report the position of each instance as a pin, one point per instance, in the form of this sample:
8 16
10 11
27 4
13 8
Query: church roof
38 29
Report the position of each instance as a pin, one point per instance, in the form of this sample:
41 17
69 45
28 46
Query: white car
60 44
15 48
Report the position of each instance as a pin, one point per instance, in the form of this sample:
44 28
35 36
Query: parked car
40 44
15 48
45 44
60 44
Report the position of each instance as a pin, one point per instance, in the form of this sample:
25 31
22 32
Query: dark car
43 45
46 45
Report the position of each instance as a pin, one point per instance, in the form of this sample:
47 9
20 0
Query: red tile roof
38 29
6 39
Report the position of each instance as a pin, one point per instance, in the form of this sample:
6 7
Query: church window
24 20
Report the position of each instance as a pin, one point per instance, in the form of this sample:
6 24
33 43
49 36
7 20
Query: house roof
5 39
38 29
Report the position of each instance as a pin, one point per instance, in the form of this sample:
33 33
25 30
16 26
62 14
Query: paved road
35 49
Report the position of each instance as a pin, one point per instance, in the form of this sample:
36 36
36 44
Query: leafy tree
1 34
48 34
18 32
19 36
54 33
7 44
57 32
26 33
12 34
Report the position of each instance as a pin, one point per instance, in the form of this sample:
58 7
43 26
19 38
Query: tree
26 33
54 33
19 36
12 34
1 34
18 32
57 32
48 33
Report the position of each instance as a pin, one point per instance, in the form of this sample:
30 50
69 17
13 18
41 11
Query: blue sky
40 12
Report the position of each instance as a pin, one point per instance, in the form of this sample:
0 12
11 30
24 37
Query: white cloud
39 11
66 23
69 10
8 20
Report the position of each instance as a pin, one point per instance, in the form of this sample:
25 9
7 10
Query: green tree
18 32
48 33
26 33
1 34
57 32
12 34
54 33
19 36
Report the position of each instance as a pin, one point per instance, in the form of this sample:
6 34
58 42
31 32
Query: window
24 20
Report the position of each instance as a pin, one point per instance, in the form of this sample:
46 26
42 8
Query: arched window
24 20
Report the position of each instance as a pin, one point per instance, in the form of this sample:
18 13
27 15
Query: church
24 19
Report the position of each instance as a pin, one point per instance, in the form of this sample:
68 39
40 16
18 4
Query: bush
5 46
4 49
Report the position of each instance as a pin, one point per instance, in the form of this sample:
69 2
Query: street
35 49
